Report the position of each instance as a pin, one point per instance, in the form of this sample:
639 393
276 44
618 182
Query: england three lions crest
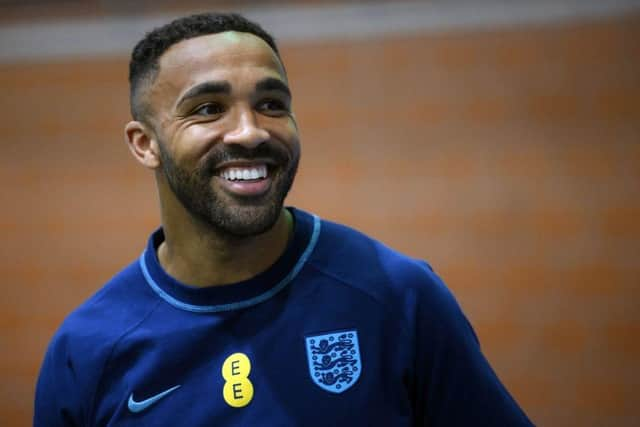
334 360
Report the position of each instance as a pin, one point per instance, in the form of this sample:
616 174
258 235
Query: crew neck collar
236 295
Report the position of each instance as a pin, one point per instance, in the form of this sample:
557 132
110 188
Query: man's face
229 147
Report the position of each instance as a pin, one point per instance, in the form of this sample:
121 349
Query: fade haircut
144 66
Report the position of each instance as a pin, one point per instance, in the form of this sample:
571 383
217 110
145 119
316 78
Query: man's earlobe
142 143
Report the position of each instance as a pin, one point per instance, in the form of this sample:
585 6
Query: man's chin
247 220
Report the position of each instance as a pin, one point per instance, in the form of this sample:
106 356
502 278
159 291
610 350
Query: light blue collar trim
240 304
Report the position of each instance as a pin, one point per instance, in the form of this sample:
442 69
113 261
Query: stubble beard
231 217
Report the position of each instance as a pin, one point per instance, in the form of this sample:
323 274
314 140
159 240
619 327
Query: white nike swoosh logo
144 404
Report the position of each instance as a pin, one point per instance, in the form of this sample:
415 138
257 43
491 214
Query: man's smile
246 179
244 173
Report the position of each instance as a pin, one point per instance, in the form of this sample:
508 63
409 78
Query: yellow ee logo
238 390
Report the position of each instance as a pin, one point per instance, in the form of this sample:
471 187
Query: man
241 312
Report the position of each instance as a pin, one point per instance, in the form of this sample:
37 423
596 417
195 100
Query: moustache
230 153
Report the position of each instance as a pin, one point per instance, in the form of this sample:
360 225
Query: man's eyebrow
206 88
271 83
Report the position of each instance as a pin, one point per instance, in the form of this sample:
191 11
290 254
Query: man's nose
247 131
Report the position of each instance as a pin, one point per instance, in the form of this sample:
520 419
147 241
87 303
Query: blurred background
500 141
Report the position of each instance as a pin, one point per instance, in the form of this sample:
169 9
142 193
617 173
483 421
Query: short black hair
143 67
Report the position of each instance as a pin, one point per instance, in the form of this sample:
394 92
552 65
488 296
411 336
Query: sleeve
454 384
58 394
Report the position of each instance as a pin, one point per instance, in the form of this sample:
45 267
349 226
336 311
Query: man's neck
198 256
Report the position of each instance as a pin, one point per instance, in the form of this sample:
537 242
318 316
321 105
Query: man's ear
142 143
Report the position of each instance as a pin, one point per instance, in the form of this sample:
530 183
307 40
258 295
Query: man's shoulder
373 267
75 360
106 315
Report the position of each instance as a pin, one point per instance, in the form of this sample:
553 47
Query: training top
340 331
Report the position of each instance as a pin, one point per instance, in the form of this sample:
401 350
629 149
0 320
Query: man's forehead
226 49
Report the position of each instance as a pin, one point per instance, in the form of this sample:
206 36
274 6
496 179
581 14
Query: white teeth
239 173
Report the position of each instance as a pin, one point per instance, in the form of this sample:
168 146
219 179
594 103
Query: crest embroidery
334 360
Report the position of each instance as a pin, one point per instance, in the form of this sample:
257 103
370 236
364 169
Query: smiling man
241 312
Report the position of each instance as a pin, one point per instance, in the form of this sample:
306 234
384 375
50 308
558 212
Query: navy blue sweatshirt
340 331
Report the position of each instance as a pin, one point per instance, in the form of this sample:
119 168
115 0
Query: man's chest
338 370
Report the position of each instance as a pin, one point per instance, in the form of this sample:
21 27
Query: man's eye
210 109
272 106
